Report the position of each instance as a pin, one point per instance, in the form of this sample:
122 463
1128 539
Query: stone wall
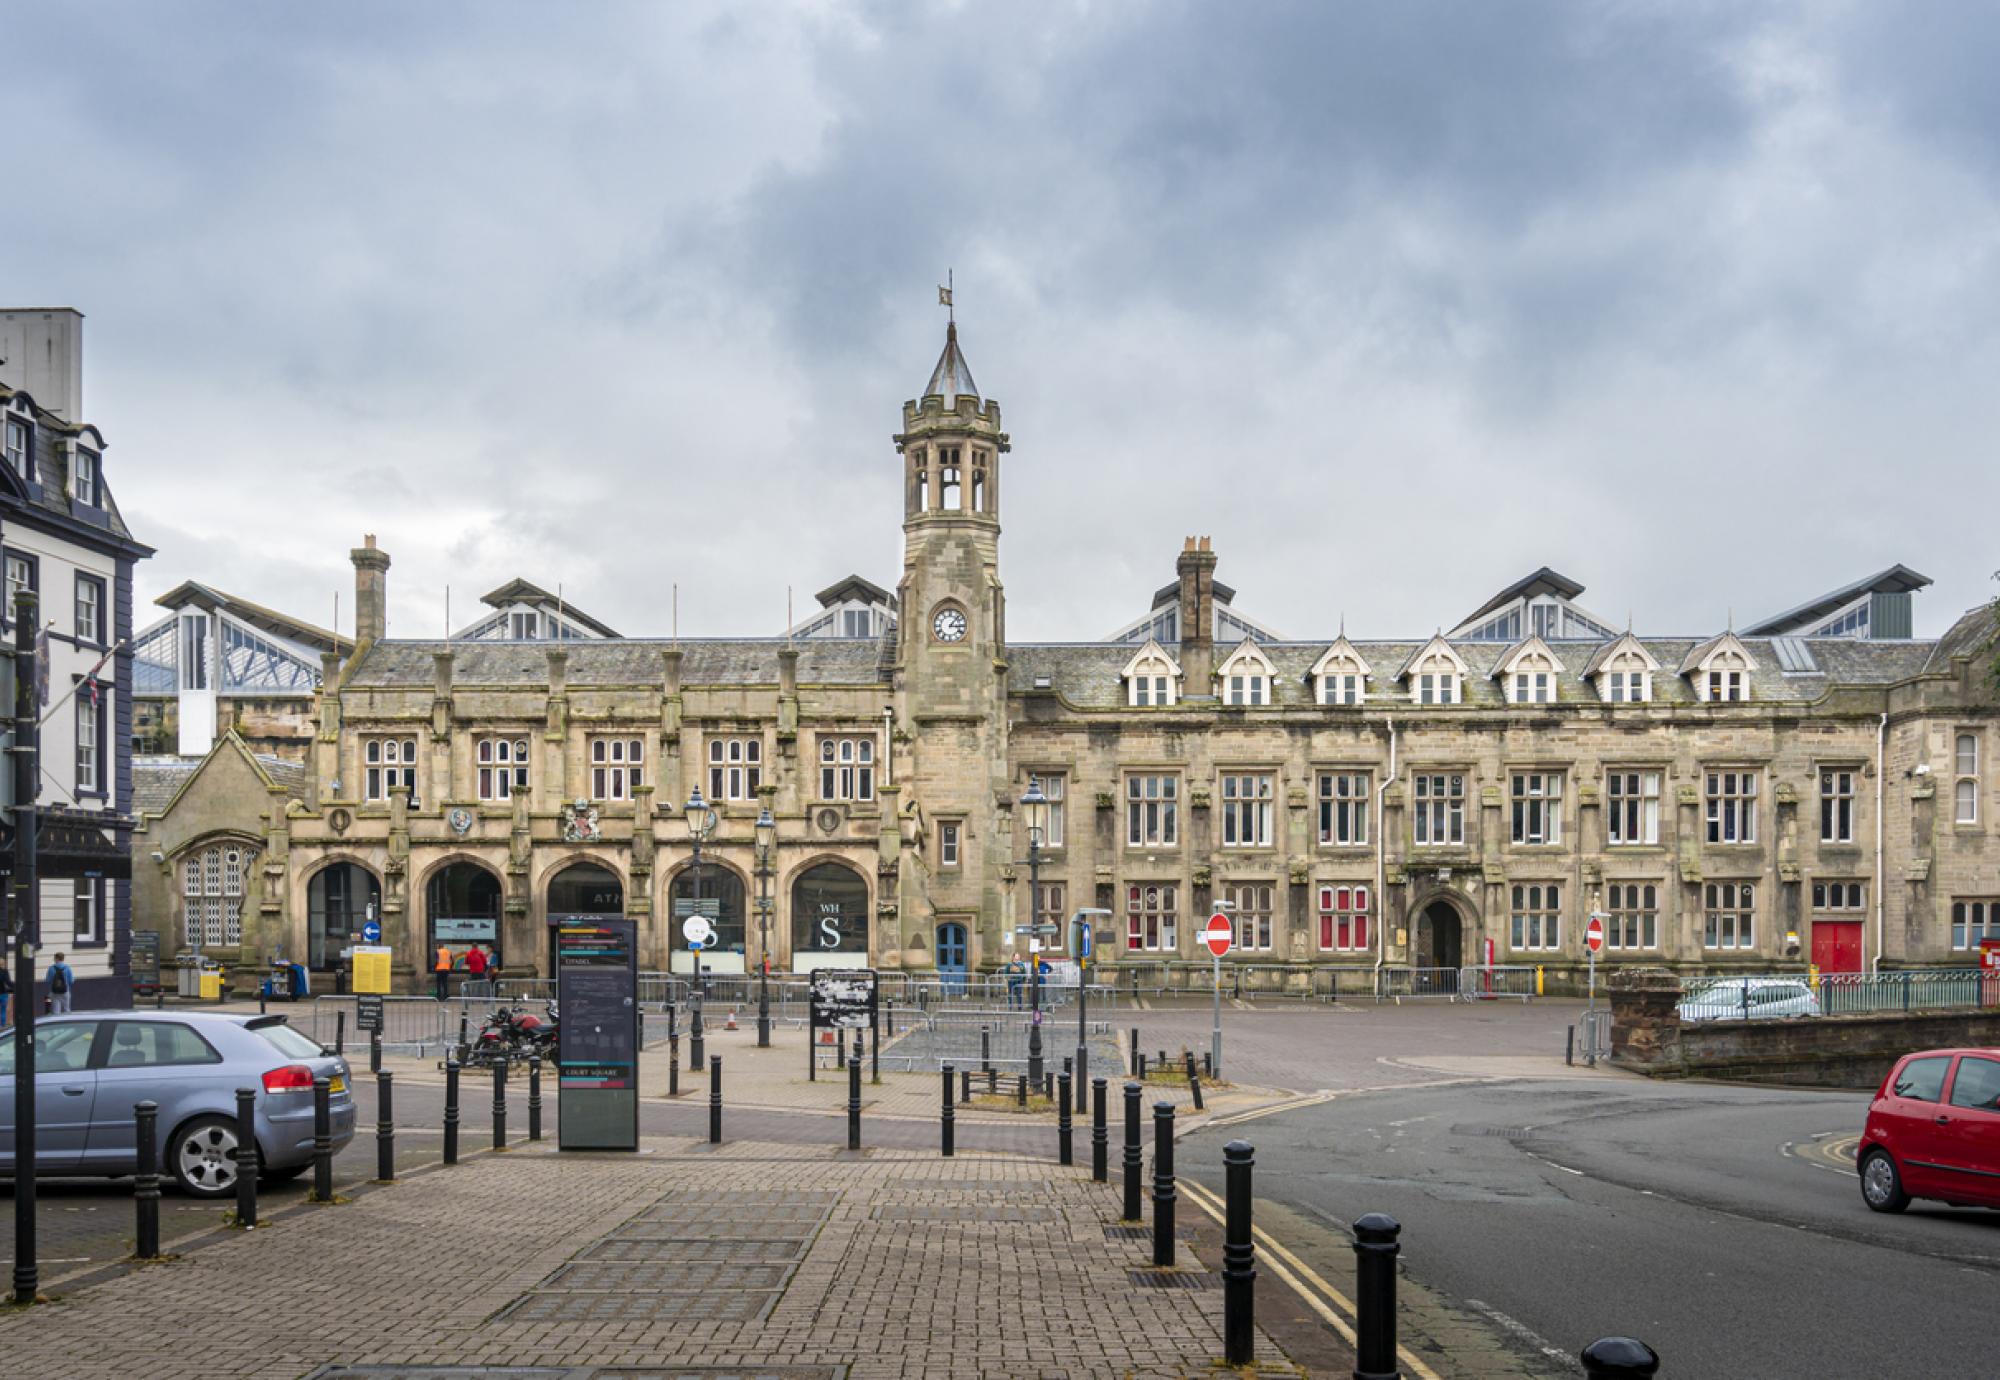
1648 1037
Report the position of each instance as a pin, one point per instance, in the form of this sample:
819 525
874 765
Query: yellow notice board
371 968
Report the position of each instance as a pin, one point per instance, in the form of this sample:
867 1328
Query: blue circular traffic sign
371 933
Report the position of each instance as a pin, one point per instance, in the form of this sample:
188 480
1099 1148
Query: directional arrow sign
1218 936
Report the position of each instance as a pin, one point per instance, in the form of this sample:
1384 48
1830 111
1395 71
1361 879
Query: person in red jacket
475 964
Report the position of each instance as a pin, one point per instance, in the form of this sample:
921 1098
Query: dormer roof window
1436 674
1340 676
1245 677
1152 678
1623 670
1720 669
1530 673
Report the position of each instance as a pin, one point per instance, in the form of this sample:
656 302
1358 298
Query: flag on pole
944 296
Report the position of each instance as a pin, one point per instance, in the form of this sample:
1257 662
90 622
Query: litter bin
211 984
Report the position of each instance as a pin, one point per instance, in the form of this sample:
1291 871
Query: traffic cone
730 1024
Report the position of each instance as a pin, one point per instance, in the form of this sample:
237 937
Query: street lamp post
700 822
767 838
1035 815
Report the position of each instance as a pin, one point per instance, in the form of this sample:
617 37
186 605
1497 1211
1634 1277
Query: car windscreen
289 1042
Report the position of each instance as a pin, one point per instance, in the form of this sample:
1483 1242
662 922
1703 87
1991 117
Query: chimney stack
1197 616
371 591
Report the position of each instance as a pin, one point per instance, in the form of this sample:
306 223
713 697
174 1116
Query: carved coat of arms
579 823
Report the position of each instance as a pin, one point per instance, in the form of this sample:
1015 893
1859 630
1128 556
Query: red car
1934 1132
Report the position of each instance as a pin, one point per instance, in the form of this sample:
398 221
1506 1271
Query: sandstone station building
1820 786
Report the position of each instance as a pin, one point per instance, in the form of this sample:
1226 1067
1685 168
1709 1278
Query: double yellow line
1334 1307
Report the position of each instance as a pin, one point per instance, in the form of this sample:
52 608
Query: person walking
6 990
62 984
441 970
1017 973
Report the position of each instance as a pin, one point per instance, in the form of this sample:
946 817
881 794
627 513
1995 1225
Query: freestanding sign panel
597 986
842 999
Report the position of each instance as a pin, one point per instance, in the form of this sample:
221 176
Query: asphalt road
1721 1225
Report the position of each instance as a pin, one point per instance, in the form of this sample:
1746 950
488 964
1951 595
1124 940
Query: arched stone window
212 894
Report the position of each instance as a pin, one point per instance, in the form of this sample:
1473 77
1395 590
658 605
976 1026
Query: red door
1969 1138
1836 946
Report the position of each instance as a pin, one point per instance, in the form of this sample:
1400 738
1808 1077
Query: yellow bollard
1538 979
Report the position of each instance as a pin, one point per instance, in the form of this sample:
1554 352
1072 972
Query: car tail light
290 1078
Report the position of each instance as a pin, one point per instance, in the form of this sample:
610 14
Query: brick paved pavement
913 1266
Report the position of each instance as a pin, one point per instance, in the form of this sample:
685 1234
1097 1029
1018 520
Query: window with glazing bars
1151 811
617 765
847 769
1343 808
1438 809
1632 807
1634 909
1728 919
1732 806
735 768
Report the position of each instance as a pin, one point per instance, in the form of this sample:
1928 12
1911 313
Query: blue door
951 957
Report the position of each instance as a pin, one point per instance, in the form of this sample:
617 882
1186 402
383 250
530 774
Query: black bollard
1239 1258
1140 1072
451 1111
1065 1152
1611 1358
262 992
322 1140
1163 1183
146 1187
1100 1139
715 1099
1208 1064
385 1128
993 1082
246 1157
340 1032
986 1048
1375 1252
1021 1091
464 1034
697 1052
500 1104
854 1099
374 1051
965 1086
1132 1155
1082 1078
1194 1083
1569 1048
534 1097
945 1127
673 1066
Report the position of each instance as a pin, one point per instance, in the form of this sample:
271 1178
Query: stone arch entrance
462 907
1439 950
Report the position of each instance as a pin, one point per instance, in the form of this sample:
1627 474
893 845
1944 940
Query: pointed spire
953 377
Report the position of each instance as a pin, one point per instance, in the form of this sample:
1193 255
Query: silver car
92 1067
1749 998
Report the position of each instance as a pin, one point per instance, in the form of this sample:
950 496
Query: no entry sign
1593 934
1218 935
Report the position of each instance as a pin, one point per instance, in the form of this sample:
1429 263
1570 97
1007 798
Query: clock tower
951 669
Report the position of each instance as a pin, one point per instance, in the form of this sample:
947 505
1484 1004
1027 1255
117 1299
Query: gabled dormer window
1720 669
1152 679
1245 677
1340 676
1623 670
1436 674
1529 673
83 482
18 448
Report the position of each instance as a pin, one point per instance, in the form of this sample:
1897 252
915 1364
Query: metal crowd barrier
1512 983
1397 984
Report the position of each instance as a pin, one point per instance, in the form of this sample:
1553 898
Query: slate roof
1086 674
953 376
1974 631
155 779
50 496
742 661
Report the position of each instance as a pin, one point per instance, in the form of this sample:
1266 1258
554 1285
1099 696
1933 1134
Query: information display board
145 962
597 990
840 999
368 1012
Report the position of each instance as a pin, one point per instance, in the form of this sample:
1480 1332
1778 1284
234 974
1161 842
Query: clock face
949 626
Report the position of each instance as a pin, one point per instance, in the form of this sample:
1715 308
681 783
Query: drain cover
707 1251
575 1306
1171 1279
663 1275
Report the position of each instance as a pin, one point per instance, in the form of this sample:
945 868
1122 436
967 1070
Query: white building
64 540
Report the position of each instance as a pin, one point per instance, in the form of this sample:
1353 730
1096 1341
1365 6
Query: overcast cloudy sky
1695 303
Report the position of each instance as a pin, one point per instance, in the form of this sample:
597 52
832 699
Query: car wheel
203 1157
1881 1185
